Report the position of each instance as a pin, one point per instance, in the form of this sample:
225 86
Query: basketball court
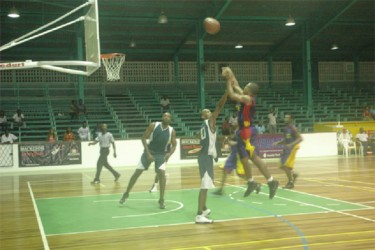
332 205
82 214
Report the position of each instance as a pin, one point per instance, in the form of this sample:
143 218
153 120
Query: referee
105 139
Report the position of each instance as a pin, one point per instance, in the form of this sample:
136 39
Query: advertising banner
49 154
190 148
263 144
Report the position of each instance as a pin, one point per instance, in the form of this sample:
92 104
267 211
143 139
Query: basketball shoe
273 185
251 186
200 219
206 212
161 204
124 197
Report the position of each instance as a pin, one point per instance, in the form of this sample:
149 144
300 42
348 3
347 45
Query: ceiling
257 24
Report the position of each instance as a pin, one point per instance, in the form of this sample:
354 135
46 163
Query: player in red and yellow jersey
247 131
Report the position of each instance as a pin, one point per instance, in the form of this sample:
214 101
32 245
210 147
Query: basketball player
206 157
233 162
247 131
291 142
160 135
105 140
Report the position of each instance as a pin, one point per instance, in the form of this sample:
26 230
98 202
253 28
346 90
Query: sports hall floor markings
80 214
279 241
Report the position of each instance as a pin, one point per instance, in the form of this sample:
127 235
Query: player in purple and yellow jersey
291 142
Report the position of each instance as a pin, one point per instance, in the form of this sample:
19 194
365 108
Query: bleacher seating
129 112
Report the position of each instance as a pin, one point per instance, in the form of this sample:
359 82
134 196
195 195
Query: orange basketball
211 25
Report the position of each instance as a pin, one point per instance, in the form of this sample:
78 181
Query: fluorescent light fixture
290 21
238 46
13 13
162 18
334 47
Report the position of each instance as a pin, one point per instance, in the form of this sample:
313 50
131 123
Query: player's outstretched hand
226 72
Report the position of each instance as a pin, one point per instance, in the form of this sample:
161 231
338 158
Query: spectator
84 132
272 126
225 127
73 110
367 114
363 140
164 104
372 112
3 121
261 129
8 138
18 119
233 122
69 136
345 139
51 136
82 108
97 131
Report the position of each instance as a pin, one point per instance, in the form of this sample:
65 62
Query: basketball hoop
112 63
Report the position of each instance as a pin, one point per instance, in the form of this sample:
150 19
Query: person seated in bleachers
164 104
233 121
18 120
372 112
69 135
363 140
51 136
81 108
84 132
367 114
97 130
73 110
261 129
225 127
8 138
3 121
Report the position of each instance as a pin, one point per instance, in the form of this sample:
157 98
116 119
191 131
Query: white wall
130 151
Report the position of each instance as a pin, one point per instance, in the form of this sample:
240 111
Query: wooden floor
347 179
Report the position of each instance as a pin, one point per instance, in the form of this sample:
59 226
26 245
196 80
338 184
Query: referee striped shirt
105 140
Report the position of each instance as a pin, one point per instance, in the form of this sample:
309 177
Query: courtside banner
189 148
49 154
263 144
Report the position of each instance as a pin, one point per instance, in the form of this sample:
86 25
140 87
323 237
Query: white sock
270 179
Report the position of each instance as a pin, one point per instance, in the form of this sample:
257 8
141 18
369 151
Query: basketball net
112 63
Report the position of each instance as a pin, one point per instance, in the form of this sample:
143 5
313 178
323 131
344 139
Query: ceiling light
132 43
162 18
238 46
334 47
290 21
13 13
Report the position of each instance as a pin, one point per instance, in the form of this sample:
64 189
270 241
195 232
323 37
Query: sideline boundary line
40 224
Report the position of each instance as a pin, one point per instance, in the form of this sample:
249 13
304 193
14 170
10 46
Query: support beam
307 82
176 71
331 20
270 72
81 94
200 61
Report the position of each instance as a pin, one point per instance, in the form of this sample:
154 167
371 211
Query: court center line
369 189
40 224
